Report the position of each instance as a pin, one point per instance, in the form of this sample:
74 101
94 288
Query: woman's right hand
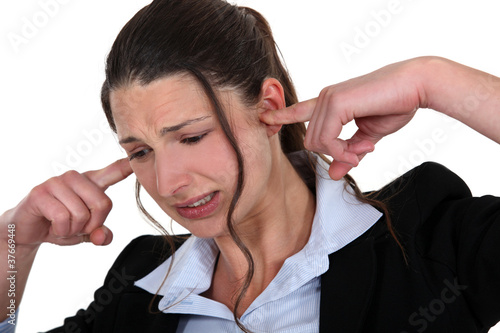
68 209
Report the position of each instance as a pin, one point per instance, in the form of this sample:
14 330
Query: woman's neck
278 231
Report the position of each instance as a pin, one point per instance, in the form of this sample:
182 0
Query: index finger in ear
296 113
110 175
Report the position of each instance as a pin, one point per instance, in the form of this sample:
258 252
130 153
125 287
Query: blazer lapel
347 287
134 316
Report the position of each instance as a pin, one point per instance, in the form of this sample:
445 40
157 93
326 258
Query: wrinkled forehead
172 98
166 102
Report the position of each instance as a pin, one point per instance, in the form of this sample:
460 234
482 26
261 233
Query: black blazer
449 281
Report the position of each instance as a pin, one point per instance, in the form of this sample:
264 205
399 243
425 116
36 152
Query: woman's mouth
202 201
201 208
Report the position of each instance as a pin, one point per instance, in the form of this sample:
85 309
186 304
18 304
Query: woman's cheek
146 177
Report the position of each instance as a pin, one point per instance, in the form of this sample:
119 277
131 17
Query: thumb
296 113
101 236
338 169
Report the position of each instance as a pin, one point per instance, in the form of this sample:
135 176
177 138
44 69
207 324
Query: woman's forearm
466 94
15 266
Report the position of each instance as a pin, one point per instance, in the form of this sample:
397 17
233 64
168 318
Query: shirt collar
192 268
339 219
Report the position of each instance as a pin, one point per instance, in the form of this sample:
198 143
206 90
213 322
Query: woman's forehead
179 93
164 90
166 101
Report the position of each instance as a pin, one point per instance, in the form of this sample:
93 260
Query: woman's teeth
202 201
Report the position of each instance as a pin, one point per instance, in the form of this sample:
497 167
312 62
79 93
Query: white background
51 115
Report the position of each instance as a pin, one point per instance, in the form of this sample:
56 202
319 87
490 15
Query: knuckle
61 217
328 93
71 174
330 96
324 139
38 191
104 204
81 216
308 146
51 184
324 92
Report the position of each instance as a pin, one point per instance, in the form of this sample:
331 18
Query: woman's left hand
384 101
380 103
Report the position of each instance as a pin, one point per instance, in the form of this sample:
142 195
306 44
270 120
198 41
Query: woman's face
182 158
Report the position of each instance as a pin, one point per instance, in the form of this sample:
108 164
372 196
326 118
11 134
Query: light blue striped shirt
9 325
290 304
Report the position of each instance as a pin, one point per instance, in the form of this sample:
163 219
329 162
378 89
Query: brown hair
219 44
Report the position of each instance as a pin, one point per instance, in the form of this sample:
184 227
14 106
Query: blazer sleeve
140 257
462 234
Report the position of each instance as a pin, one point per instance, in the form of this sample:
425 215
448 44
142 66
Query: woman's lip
192 200
202 210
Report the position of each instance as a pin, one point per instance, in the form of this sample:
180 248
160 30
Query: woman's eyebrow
177 127
166 130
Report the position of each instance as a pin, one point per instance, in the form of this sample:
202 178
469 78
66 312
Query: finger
84 192
72 240
340 152
101 236
338 170
360 147
296 113
55 213
60 218
78 212
110 175
324 128
337 149
311 140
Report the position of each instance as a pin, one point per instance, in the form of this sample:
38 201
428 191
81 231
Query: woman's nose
172 173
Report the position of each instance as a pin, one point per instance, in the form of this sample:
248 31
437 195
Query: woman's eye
193 140
139 155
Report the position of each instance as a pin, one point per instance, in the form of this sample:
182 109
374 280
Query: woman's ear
272 98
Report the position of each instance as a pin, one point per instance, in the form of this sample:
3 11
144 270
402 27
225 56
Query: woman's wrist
464 93
431 77
9 241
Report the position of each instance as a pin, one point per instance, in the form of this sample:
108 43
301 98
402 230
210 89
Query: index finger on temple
296 113
110 175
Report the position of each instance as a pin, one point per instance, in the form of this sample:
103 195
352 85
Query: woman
198 97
